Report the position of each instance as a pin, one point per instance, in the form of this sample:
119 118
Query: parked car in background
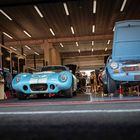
124 64
51 79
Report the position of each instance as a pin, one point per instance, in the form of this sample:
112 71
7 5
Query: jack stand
51 95
120 90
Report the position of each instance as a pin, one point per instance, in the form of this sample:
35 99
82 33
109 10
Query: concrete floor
81 117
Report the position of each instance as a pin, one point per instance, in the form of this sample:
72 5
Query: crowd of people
95 81
5 84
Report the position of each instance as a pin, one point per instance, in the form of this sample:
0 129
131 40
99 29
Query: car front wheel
111 85
21 96
68 93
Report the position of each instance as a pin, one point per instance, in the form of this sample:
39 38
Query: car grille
133 68
137 77
38 87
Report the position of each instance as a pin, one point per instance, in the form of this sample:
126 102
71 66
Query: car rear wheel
21 96
68 93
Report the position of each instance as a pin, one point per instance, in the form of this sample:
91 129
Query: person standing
93 82
2 94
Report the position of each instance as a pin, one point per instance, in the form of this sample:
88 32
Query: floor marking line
69 112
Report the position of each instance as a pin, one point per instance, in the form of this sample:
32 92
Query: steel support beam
85 53
81 38
56 40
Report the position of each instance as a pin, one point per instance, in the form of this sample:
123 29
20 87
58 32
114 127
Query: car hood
44 74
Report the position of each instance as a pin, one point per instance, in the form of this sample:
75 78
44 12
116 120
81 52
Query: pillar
51 55
2 42
46 47
11 65
0 57
18 65
34 61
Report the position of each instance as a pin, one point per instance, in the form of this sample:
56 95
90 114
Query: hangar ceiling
84 30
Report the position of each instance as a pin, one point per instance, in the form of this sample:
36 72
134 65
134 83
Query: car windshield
54 68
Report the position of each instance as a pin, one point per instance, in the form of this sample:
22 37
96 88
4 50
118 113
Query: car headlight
114 65
17 79
63 77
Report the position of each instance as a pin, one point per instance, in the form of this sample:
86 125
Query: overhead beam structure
85 53
57 40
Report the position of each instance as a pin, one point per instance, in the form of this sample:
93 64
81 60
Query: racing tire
105 89
21 96
111 85
68 93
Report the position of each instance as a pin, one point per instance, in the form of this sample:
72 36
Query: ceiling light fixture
5 14
77 44
123 5
52 32
93 28
27 33
94 6
8 35
105 49
92 43
66 9
79 50
108 41
92 50
38 11
61 45
36 53
13 48
28 47
72 30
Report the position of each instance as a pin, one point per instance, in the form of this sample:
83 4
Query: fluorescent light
108 41
61 45
36 53
38 11
27 33
72 30
28 47
8 35
105 49
52 32
123 5
66 9
79 50
77 44
94 6
5 14
92 50
92 43
93 28
13 48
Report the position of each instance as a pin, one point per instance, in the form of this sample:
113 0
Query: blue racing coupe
52 79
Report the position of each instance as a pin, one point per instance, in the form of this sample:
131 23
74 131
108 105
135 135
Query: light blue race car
52 79
123 66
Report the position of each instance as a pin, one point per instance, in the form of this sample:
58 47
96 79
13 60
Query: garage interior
35 33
